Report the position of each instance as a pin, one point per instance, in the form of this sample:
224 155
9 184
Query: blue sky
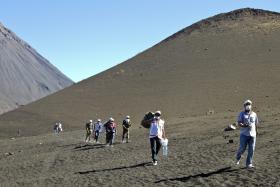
85 37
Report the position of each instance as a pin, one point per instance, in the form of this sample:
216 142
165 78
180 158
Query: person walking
126 125
88 130
55 128
97 129
248 123
157 133
111 130
59 127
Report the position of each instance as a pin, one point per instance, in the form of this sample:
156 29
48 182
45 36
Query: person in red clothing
111 130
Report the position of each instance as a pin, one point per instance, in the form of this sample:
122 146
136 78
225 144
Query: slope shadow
88 147
117 168
185 179
68 145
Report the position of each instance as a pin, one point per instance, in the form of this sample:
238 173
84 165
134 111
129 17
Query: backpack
126 124
88 126
146 121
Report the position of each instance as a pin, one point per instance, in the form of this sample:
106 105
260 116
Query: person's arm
163 132
257 124
123 124
240 121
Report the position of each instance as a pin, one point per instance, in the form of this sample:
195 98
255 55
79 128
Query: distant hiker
88 130
111 130
126 125
157 133
248 122
57 128
97 129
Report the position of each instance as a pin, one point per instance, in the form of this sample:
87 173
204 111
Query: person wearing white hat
88 130
157 133
126 125
97 129
248 123
111 130
60 127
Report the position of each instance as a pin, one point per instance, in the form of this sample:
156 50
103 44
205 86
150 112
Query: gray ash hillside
25 75
212 65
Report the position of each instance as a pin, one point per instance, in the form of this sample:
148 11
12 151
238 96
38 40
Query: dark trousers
155 147
96 135
125 134
109 138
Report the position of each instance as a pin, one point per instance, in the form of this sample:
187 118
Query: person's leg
153 149
127 136
111 138
123 135
158 144
107 138
242 146
86 137
96 135
89 135
251 149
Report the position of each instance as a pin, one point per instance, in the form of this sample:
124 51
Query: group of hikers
153 122
247 122
109 128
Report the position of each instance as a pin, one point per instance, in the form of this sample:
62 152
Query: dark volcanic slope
25 75
212 65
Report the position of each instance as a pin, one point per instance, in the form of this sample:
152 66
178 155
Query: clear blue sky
85 37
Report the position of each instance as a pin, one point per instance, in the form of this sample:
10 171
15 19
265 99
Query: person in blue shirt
248 123
97 129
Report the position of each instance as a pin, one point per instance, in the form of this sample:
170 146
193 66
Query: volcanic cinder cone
25 75
210 66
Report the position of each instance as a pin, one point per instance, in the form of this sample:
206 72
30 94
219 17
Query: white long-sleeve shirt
156 129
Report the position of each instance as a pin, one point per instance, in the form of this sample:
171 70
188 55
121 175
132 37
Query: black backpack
88 126
146 121
126 124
